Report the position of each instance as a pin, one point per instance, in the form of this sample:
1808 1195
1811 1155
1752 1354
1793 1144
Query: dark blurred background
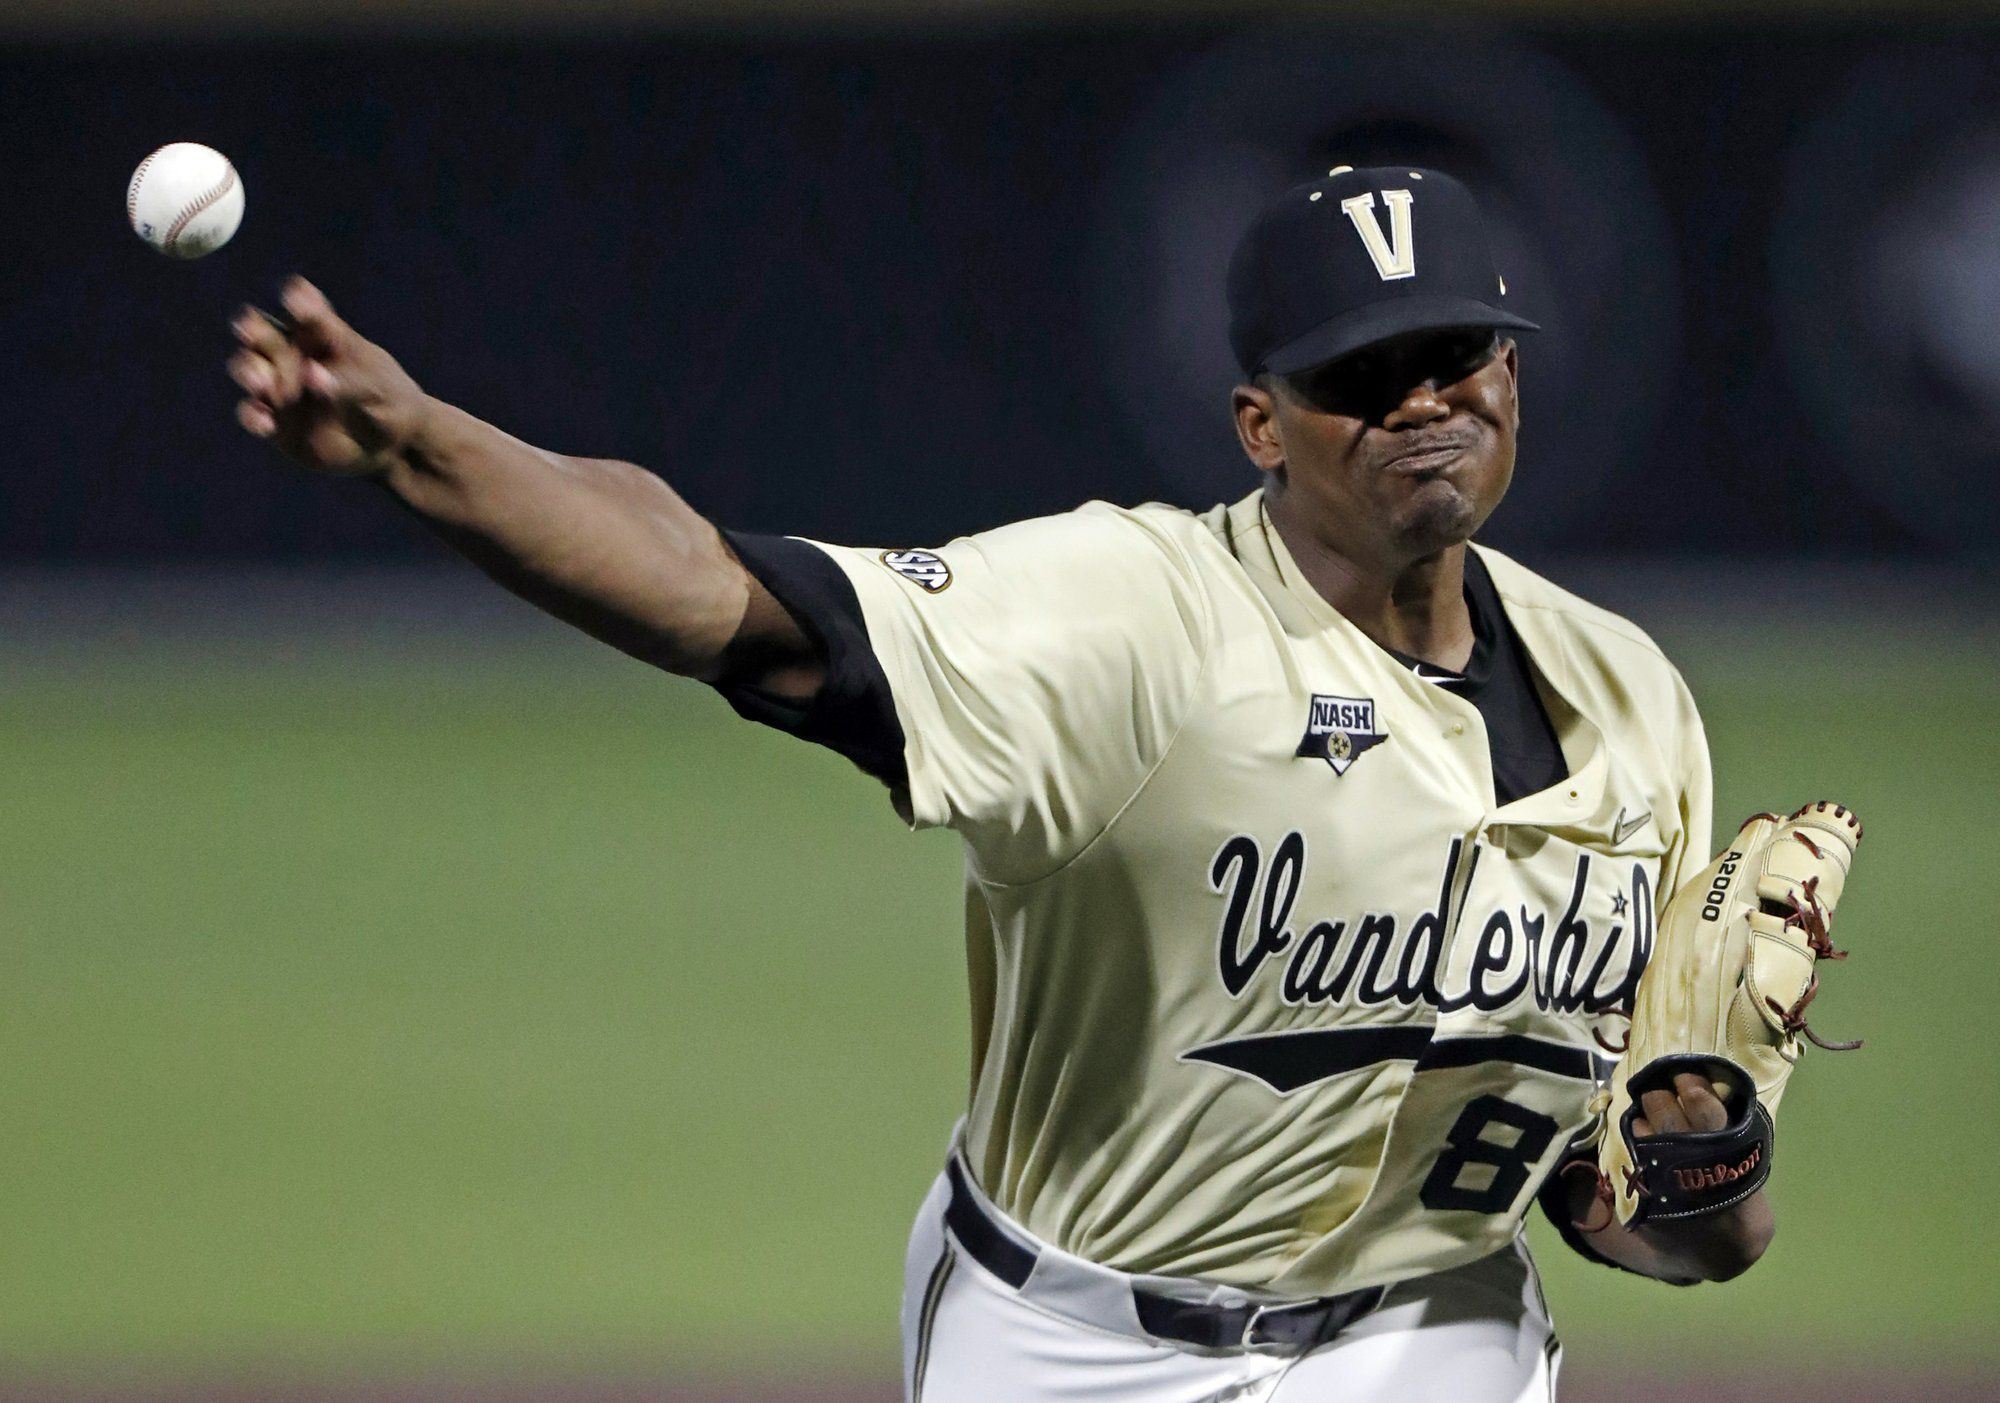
899 281
401 997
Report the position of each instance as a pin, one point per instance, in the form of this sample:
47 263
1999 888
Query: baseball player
1313 853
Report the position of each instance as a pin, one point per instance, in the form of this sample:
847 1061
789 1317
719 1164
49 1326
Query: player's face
1396 451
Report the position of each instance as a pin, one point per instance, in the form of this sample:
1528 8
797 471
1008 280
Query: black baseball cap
1359 256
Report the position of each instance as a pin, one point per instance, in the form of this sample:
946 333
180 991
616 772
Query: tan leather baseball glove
1725 994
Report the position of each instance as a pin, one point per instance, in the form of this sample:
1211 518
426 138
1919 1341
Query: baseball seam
132 190
197 205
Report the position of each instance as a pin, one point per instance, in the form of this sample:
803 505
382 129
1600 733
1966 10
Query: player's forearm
602 544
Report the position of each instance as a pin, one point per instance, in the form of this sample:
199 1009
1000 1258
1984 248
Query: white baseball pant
1480 1333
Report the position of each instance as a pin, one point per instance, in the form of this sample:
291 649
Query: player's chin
1438 513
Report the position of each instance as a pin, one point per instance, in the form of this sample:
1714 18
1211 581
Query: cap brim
1379 321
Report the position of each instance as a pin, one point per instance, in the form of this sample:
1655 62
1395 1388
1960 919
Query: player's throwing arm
605 545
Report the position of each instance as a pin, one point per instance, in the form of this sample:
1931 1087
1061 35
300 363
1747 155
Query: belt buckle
1281 1346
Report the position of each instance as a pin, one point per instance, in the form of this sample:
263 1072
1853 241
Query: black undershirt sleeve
854 712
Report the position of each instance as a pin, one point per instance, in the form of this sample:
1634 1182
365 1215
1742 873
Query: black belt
1294 1327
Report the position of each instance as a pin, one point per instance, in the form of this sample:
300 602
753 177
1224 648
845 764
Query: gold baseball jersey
1269 988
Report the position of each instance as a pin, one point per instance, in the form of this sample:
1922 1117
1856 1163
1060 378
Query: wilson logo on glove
1715 1176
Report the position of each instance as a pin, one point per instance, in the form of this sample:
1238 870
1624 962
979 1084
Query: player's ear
1510 352
1257 426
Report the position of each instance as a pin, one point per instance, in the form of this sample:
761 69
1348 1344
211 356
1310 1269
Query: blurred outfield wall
890 282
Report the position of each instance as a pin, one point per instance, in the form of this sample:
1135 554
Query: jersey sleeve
1017 686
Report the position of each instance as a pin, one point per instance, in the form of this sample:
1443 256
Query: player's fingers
316 329
1699 1103
273 379
253 374
256 418
1663 1111
1641 1127
318 378
256 330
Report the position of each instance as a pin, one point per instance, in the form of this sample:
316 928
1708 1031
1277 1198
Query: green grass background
365 1007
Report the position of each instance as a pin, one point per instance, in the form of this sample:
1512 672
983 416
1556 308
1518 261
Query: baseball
185 200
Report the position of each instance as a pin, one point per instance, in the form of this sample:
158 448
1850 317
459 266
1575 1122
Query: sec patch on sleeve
921 567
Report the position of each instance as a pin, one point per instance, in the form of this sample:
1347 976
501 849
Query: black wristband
1692 1172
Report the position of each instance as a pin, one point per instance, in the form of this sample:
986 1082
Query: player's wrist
417 426
424 440
417 460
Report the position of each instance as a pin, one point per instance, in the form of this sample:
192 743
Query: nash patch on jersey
921 567
1339 730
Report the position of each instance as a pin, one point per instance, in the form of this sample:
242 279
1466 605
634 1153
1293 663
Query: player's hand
1691 1105
328 397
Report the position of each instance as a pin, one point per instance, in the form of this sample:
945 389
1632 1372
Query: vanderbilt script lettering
1564 962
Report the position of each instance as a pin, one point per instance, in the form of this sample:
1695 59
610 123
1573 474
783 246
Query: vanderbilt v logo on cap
1331 266
1395 256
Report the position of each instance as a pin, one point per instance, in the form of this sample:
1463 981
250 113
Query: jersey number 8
1472 1143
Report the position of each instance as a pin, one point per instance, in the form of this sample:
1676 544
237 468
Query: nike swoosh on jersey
1441 678
1621 829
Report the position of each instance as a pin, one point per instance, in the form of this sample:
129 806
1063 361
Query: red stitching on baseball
132 190
202 203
